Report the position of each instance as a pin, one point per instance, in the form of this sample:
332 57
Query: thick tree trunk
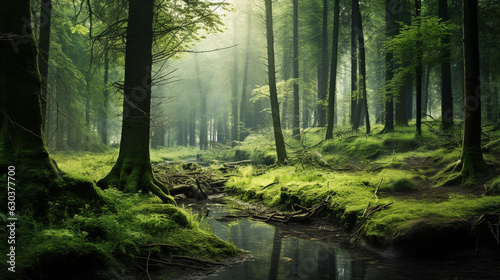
35 179
446 94
43 52
275 111
418 72
132 171
472 157
296 97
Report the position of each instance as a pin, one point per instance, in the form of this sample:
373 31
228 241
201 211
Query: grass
99 241
413 169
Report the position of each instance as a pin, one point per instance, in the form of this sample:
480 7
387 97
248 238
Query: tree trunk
354 64
418 72
234 91
389 104
44 51
103 130
362 70
333 71
243 101
472 157
446 94
132 171
22 147
323 81
273 93
296 97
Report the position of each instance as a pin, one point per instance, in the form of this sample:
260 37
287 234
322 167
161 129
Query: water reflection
281 252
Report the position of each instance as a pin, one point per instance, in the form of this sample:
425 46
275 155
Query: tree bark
296 97
38 181
446 94
472 157
243 101
389 104
44 51
132 171
278 133
234 91
418 72
362 70
333 72
103 130
354 64
323 77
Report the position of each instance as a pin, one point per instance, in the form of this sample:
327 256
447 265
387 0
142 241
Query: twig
147 264
376 189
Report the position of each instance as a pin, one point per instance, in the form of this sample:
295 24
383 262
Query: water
300 252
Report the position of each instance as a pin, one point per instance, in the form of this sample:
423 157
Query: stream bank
300 251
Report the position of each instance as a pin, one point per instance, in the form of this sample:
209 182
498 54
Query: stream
303 252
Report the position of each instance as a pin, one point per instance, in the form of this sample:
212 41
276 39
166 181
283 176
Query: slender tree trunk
426 91
389 104
362 70
354 64
234 91
192 129
44 51
333 71
446 94
278 134
418 72
296 97
323 81
132 170
243 101
104 109
472 157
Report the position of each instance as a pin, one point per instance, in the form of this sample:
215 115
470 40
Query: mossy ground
107 242
415 173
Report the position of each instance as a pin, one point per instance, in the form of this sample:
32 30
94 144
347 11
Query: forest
250 139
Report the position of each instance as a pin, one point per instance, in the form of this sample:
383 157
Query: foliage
404 48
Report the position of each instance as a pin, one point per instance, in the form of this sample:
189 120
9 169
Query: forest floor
395 193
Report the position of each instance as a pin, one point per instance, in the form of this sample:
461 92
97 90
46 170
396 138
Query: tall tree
419 70
446 94
273 93
323 69
472 157
390 11
354 63
362 71
234 90
296 97
22 145
132 170
333 71
243 101
43 51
